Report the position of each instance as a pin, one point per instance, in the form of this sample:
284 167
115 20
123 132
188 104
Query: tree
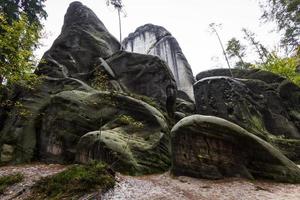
286 14
17 42
260 49
119 6
13 9
20 27
236 49
213 27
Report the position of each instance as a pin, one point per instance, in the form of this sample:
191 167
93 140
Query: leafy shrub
285 67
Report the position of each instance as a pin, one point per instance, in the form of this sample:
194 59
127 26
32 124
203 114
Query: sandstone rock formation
156 40
145 75
92 102
211 147
123 131
82 41
261 102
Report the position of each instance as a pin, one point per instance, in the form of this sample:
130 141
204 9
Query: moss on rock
226 149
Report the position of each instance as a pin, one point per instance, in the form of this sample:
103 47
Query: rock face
92 102
211 147
156 40
145 75
120 130
82 41
261 102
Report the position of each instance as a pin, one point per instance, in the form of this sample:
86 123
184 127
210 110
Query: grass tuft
74 182
9 180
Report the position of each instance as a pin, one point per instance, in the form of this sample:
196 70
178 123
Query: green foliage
6 181
100 81
286 13
236 49
285 67
14 9
128 120
260 49
17 42
74 182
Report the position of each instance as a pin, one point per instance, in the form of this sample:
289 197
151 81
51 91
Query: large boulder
144 75
156 40
125 132
19 129
82 41
263 103
213 148
257 74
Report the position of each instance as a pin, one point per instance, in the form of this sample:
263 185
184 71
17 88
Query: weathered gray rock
125 132
82 41
213 148
90 104
156 40
145 75
257 74
184 108
19 128
94 102
59 120
261 102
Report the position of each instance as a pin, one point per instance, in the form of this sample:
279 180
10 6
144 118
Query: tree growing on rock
213 27
260 49
236 49
118 5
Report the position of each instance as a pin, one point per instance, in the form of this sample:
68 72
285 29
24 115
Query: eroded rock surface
91 103
83 39
156 40
263 103
211 147
145 75
94 102
125 132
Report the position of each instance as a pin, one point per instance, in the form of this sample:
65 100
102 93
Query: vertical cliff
156 40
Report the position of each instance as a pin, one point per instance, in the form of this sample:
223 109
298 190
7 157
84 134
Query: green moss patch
9 180
74 182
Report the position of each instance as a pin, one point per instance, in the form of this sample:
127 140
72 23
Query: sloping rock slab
257 74
213 148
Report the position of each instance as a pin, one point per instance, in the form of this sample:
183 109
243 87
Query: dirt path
164 187
32 173
161 187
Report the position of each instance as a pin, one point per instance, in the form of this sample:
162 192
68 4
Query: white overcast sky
187 20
